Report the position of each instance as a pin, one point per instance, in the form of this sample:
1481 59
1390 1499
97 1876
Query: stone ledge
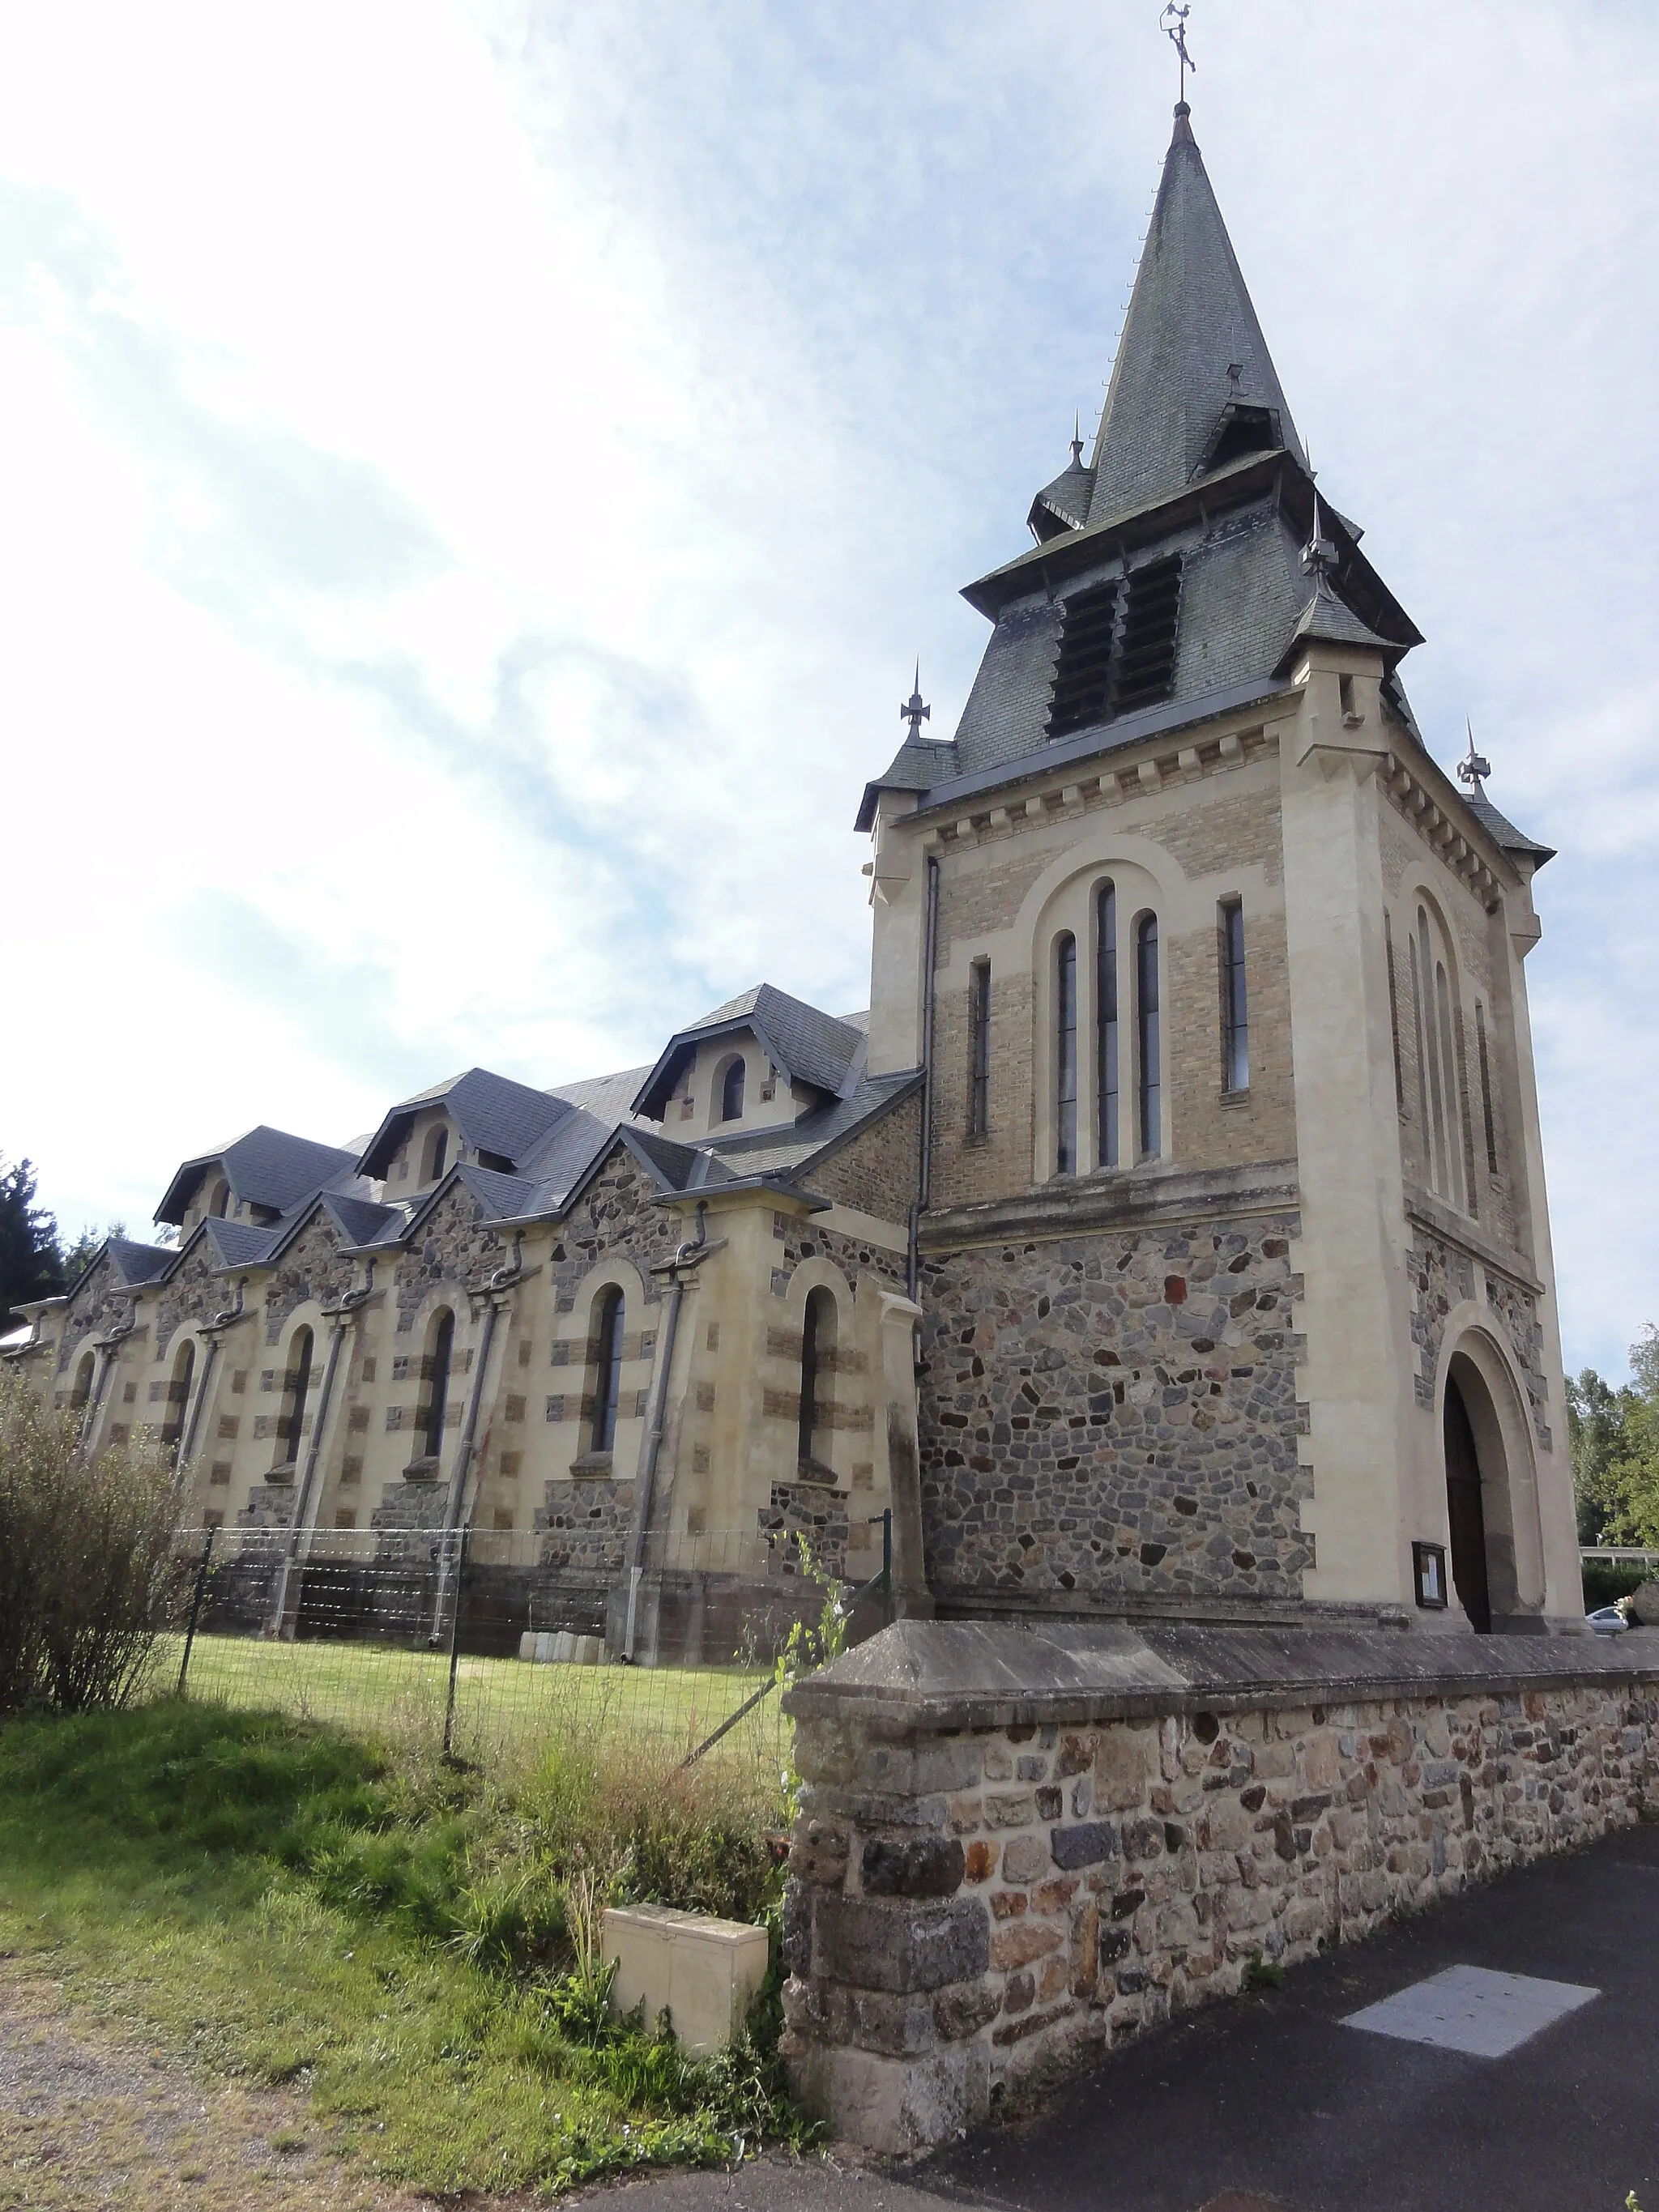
942 1674
1159 1198
1427 1212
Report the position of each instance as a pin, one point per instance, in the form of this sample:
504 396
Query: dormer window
732 1082
220 1202
1241 430
437 1154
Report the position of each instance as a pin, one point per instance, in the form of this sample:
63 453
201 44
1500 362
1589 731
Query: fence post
455 1636
195 1608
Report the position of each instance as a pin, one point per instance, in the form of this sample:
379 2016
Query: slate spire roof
1192 349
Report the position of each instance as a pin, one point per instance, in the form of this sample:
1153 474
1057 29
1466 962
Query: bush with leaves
88 1576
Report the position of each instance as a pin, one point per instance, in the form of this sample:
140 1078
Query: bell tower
1233 1242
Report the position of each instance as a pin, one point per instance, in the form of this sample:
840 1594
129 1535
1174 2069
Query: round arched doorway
1465 1505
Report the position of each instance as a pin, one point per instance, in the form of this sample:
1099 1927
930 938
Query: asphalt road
1272 2102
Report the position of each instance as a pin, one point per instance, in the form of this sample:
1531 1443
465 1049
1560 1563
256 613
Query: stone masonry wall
1115 1415
965 1906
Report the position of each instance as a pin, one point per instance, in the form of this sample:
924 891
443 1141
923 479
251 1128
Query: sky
476 479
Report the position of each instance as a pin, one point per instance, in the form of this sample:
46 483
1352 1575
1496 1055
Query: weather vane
1173 24
1474 766
913 711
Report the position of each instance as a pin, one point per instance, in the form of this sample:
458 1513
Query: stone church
1169 1239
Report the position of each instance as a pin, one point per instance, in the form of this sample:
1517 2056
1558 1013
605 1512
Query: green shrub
89 1577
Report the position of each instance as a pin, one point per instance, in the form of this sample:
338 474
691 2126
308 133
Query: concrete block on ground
706 1973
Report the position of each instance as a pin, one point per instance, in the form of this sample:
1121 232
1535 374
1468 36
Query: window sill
424 1469
286 1473
591 1463
1237 1097
815 1471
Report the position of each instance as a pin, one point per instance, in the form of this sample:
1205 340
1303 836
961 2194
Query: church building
1168 1240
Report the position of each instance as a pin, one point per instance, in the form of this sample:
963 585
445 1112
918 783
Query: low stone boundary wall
1019 1844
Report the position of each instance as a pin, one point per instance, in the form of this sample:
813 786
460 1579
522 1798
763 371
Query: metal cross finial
1173 24
913 711
1474 765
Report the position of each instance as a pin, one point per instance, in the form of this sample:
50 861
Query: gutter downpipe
342 1316
685 1257
925 1173
499 1284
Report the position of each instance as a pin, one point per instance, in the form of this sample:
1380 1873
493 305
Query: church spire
1193 385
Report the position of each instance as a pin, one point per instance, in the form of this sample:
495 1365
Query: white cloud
476 480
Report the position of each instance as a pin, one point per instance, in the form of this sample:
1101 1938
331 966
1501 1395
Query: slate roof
1064 503
264 1166
238 1244
493 1114
918 765
137 1263
1504 832
791 1150
1190 320
808 1045
1327 620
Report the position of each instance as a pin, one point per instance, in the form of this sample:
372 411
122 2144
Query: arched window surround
607 1338
181 1380
299 1382
1127 890
1444 1096
80 1388
435 1152
729 1088
837 1384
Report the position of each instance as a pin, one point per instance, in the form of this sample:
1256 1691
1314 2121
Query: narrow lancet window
1106 1036
979 1051
296 1390
1448 1066
1485 1088
442 1340
731 1091
607 1363
1148 1039
1065 1057
818 1359
1235 1011
184 1371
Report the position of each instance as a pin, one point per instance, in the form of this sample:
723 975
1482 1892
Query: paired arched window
607 1367
1440 1092
437 1153
731 1091
440 1349
1149 1037
1066 1055
817 1361
184 1371
80 1388
297 1388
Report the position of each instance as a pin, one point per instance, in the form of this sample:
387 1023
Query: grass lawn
390 1935
505 1709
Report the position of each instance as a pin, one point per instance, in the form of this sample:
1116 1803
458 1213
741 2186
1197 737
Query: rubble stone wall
966 1906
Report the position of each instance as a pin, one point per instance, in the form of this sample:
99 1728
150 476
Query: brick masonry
968 1904
1114 1415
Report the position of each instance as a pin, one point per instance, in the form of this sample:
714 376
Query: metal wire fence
497 1647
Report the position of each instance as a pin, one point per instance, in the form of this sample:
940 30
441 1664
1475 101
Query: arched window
440 1345
1066 1055
80 1389
222 1198
437 1152
1149 1037
1439 1090
818 1359
731 1091
184 1370
1106 1052
607 1367
297 1388
1235 1006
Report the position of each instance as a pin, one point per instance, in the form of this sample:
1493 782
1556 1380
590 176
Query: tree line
1615 1450
35 1263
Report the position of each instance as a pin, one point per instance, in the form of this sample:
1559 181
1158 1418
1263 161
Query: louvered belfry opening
1116 648
1145 661
1084 671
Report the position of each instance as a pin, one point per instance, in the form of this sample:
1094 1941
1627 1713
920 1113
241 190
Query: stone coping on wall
1428 1213
1117 1199
935 1675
